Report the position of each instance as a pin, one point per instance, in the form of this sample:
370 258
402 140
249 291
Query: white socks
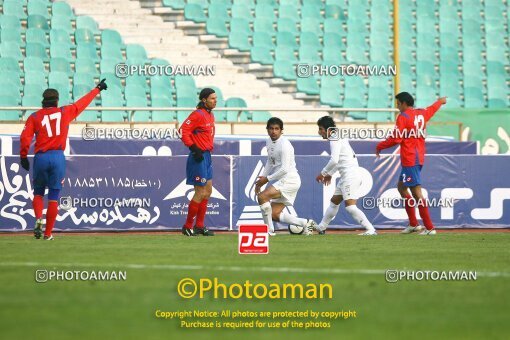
359 217
290 219
267 213
329 215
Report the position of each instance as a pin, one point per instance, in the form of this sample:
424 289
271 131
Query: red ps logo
253 239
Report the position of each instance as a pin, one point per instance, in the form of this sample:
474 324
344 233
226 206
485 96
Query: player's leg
264 199
202 209
56 173
331 212
40 179
196 175
359 216
423 209
409 204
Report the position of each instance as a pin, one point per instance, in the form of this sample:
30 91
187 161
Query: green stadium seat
107 65
217 26
60 50
62 9
239 40
12 36
450 67
203 3
13 79
240 25
36 35
194 12
14 8
272 3
290 2
286 39
496 103
219 11
449 26
309 40
59 80
81 90
7 115
87 51
111 37
264 25
249 3
159 91
311 11
381 54
284 69
356 55
88 115
354 103
34 90
497 53
32 77
112 101
175 4
334 26
86 22
139 116
63 23
260 116
262 55
236 116
241 11
449 40
86 66
309 55
308 85
10 50
312 25
84 36
11 22
285 53
263 39
265 11
31 101
34 64
287 25
111 52
334 12
61 65
406 82
36 50
288 11
163 116
184 102
60 37
86 79
473 97
495 68
161 80
332 55
10 64
331 96
140 82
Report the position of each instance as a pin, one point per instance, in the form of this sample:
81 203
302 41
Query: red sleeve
188 126
26 137
431 110
75 109
392 140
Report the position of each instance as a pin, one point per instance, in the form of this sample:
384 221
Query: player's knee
276 216
263 198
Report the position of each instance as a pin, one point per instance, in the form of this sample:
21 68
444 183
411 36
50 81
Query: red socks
411 212
192 213
425 216
201 213
38 205
51 217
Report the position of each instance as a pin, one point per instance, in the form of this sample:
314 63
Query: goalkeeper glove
102 85
24 163
197 153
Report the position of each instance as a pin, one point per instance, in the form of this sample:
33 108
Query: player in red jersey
198 135
409 133
50 126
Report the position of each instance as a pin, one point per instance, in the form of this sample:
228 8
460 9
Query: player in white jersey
281 170
343 159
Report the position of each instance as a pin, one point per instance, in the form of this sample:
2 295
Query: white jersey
280 159
343 159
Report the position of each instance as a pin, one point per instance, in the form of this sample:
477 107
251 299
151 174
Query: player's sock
51 217
38 205
201 213
425 216
267 213
192 213
410 210
329 215
291 219
360 217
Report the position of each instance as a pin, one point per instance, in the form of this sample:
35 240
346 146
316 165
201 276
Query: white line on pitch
234 269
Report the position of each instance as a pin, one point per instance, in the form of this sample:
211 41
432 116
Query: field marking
338 271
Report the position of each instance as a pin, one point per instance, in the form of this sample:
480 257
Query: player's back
51 127
412 129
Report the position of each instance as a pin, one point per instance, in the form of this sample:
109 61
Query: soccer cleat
48 238
271 232
309 228
188 232
411 229
203 231
369 233
319 230
428 232
38 228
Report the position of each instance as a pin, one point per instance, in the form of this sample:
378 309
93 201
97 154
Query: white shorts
349 186
288 187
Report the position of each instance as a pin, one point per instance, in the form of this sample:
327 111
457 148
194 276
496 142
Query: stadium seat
6 115
87 51
84 36
239 40
287 25
86 22
31 101
263 39
12 78
312 25
14 8
63 23
10 64
175 4
264 25
61 65
218 27
10 50
33 77
285 53
284 69
39 8
12 36
288 11
194 12
138 116
219 11
262 55
286 39
11 22
111 37
232 116
260 116
59 80
62 9
36 35
265 11
184 102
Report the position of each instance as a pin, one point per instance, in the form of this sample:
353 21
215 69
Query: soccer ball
296 229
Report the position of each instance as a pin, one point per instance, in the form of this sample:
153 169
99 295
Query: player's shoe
319 230
48 238
311 225
411 229
371 232
188 232
271 232
38 228
428 232
203 231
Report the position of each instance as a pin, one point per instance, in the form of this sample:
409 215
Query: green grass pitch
353 265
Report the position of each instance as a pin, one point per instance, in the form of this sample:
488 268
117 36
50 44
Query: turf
126 309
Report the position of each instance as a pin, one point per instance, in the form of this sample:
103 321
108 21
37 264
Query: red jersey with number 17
198 129
410 134
51 125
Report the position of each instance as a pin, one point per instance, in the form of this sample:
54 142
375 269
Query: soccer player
198 135
50 126
409 134
280 168
343 159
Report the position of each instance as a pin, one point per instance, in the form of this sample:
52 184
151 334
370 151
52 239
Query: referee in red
198 135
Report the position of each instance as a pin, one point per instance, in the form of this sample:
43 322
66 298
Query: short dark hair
274 121
326 122
405 97
50 98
